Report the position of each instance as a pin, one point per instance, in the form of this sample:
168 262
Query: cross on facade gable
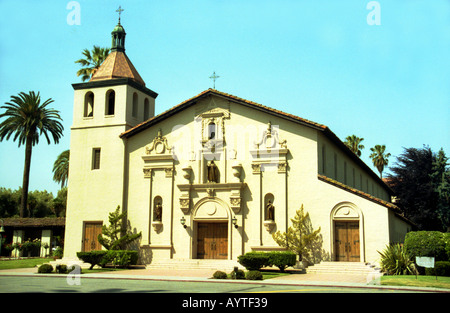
214 77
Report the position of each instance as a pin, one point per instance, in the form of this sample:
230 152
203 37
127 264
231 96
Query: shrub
75 268
120 258
282 259
220 275
254 275
396 261
441 268
237 274
254 261
92 257
57 253
61 268
428 243
45 268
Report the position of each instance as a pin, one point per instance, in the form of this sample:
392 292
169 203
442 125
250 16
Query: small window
146 109
96 158
134 112
324 160
110 102
89 105
335 167
212 130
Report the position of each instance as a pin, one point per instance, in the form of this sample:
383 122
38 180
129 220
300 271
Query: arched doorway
212 233
347 233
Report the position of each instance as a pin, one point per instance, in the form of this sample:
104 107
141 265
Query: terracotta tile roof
117 65
398 211
18 222
210 91
395 209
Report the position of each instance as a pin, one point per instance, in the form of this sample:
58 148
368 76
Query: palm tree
354 144
27 119
379 158
92 61
61 168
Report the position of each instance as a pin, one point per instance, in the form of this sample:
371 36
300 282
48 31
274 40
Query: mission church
214 176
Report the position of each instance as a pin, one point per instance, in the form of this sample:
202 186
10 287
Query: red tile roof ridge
214 91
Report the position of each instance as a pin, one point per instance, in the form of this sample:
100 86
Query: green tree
354 144
420 179
440 178
116 236
379 157
92 61
27 119
300 238
9 202
39 203
60 202
61 168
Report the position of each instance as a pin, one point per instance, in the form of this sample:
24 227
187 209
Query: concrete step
344 267
70 261
222 265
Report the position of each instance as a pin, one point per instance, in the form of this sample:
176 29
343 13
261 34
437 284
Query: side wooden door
91 232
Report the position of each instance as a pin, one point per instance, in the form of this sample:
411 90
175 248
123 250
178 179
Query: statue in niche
212 172
270 211
157 212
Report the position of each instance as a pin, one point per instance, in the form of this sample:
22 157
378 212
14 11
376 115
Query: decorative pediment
158 156
269 151
159 145
269 139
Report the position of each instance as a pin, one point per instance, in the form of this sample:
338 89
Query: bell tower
111 102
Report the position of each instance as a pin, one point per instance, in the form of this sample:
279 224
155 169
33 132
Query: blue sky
320 60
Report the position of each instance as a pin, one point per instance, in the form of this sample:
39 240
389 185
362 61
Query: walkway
196 275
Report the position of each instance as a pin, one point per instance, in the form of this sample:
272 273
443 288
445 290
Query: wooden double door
212 240
346 238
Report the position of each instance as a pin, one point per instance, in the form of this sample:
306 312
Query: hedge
92 257
282 259
254 261
120 258
428 243
441 268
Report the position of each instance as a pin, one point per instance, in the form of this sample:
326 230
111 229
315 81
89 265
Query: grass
22 263
421 281
273 274
33 262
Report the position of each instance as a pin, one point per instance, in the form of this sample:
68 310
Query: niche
157 213
269 212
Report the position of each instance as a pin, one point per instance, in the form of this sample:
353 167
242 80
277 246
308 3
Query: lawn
33 262
420 281
22 263
271 274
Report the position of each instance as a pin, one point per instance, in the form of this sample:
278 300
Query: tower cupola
118 38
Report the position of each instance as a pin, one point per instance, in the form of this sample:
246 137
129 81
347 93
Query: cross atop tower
214 77
120 10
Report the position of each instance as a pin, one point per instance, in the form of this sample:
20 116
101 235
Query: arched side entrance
347 233
211 218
